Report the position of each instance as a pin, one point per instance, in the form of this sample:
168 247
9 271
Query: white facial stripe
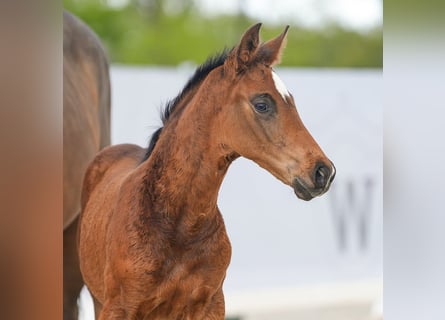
281 88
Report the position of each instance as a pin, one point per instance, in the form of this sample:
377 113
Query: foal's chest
185 291
185 279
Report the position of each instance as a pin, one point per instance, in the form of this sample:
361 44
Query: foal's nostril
322 174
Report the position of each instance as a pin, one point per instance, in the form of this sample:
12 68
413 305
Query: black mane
201 72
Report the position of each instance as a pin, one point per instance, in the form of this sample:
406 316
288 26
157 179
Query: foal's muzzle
321 179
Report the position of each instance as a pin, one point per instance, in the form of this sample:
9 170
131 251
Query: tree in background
169 32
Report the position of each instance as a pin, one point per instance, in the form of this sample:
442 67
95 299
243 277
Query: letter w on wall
351 210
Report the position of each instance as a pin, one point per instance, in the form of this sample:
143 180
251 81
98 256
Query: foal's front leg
214 310
97 308
114 311
217 308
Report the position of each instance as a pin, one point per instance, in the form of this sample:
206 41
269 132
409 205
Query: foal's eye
264 105
261 107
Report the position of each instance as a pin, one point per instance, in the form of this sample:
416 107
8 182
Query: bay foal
152 241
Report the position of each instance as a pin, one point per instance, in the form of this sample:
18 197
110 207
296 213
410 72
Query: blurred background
325 33
291 259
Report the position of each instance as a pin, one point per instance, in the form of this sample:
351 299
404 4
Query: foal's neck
185 171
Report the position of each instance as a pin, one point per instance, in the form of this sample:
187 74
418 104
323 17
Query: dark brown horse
152 242
86 130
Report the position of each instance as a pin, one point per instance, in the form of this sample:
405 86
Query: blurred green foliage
145 32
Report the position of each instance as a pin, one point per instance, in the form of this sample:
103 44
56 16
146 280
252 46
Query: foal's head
260 120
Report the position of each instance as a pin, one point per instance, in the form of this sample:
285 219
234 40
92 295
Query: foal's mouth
303 192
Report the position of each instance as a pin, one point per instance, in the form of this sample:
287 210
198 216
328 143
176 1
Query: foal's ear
270 52
244 53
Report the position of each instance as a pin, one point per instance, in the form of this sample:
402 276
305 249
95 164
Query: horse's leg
113 311
214 310
97 308
72 278
217 308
